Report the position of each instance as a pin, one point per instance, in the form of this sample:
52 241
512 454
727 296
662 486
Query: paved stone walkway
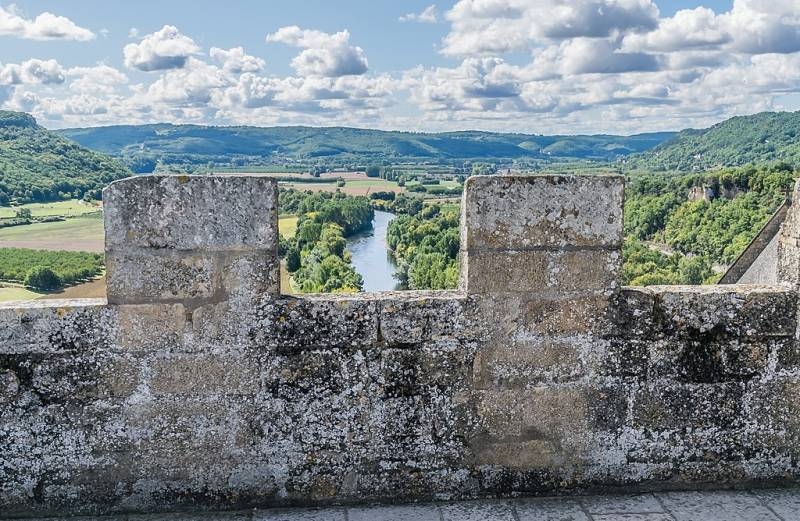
748 505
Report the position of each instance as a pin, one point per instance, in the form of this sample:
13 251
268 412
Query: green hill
759 138
141 146
38 165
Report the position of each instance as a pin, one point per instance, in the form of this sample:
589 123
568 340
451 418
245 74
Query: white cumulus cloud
164 49
236 60
32 72
427 16
323 54
100 79
750 27
46 26
191 85
499 26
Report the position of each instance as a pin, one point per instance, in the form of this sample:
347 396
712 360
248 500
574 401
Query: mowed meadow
76 234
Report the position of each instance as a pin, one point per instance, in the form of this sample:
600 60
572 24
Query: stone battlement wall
198 385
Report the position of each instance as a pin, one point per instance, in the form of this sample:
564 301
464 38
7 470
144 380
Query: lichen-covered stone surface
195 239
253 399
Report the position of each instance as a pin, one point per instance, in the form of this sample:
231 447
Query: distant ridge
141 146
758 138
39 165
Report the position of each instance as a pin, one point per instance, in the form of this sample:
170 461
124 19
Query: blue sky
541 66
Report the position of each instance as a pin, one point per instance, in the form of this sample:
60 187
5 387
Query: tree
293 260
373 171
23 213
42 277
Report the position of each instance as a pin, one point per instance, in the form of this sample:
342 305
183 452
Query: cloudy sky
540 66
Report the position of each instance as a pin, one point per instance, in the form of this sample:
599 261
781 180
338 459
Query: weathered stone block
9 386
183 238
788 257
72 377
788 356
584 270
52 326
666 405
521 365
715 358
552 211
412 422
178 428
247 277
199 374
542 412
508 271
619 357
791 224
768 313
293 325
578 315
735 310
522 454
311 374
422 316
415 371
542 271
773 414
630 314
138 277
151 327
608 404
190 213
547 426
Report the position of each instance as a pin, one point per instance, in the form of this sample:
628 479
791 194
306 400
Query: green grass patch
78 234
66 208
450 207
287 226
11 293
377 183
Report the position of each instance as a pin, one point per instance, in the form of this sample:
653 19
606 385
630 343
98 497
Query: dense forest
711 229
425 247
141 147
316 257
755 139
37 165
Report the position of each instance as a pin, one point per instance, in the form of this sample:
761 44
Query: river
371 255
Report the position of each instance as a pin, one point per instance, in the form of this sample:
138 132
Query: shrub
42 277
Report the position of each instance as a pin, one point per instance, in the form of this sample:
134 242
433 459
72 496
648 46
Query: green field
65 208
78 234
450 207
362 186
374 183
287 226
9 293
